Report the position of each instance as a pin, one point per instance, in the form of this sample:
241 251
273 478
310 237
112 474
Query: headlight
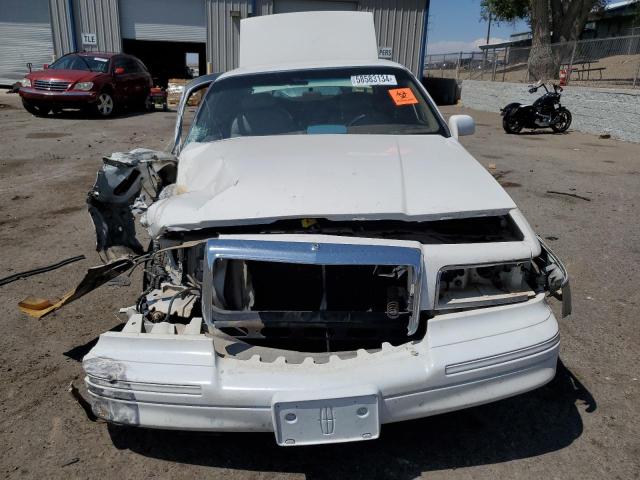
485 285
84 86
25 82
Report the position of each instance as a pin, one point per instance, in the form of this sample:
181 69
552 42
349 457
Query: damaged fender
557 277
126 185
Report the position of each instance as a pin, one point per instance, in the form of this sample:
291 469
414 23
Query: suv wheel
105 105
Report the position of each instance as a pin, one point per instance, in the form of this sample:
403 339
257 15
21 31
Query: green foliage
505 10
636 14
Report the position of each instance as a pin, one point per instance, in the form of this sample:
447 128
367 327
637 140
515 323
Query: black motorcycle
545 112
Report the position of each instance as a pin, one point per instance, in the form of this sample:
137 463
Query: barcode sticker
373 79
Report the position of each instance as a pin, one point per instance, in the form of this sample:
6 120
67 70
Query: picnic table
582 66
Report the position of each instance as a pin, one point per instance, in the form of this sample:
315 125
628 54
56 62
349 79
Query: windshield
337 101
82 62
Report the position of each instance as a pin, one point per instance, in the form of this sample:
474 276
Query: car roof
311 66
98 54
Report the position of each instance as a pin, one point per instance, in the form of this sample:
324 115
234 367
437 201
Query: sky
455 25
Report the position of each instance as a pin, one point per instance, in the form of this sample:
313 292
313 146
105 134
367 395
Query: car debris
125 186
71 462
569 194
95 277
38 271
325 256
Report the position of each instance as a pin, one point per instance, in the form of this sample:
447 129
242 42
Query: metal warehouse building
166 33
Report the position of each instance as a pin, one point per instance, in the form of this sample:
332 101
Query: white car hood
251 180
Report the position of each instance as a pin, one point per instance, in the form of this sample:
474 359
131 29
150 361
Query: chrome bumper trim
315 254
493 360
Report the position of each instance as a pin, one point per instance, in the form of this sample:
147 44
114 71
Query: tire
149 104
564 121
105 105
35 109
511 125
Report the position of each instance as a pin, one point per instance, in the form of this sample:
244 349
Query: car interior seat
260 114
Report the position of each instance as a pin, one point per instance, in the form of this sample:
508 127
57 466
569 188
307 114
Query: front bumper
466 358
68 97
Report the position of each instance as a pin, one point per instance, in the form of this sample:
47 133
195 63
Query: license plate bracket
328 420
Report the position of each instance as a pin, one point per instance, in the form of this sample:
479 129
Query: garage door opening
25 37
289 6
167 60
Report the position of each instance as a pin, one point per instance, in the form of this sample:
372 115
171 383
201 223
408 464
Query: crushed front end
322 337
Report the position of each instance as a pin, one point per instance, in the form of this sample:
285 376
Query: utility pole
486 50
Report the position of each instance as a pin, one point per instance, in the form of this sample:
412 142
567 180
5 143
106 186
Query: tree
568 18
541 64
552 21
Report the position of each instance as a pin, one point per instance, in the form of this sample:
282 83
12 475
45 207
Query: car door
137 86
122 78
145 80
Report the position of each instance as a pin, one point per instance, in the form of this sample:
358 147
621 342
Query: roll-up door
25 37
288 6
163 20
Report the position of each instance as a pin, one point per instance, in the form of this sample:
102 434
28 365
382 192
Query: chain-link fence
602 62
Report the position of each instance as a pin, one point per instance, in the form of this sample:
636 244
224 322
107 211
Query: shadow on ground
542 131
528 425
82 114
78 352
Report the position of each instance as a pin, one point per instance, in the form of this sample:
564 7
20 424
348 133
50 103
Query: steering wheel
357 119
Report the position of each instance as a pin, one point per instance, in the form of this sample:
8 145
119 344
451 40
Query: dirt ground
584 424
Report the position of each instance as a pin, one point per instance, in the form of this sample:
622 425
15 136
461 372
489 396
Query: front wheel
105 105
511 124
563 120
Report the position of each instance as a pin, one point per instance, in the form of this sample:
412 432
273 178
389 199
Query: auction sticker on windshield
403 96
373 79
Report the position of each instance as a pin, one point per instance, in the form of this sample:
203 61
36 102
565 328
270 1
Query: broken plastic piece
34 303
95 277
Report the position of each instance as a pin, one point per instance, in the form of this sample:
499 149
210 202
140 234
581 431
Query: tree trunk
569 17
542 65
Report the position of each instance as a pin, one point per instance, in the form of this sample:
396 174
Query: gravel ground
584 424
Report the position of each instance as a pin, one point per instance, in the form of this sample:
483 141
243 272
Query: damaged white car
325 258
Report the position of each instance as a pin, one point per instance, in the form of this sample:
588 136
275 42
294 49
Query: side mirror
45 66
119 70
461 125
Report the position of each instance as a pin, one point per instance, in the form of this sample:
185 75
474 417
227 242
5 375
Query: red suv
99 81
